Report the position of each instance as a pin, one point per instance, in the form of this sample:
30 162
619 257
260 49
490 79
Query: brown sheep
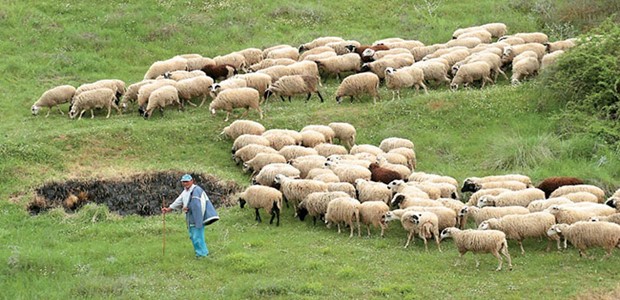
381 174
548 185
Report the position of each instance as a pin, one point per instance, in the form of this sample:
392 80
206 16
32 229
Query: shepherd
199 212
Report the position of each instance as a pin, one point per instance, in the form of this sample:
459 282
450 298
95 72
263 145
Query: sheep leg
521 245
257 218
227 116
308 97
409 237
275 212
281 97
338 227
437 242
506 254
109 111
393 95
92 114
352 230
320 97
351 99
60 110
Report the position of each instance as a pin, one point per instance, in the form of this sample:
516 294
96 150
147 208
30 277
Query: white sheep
315 204
378 66
479 241
291 152
264 197
396 80
394 158
512 198
259 161
561 45
519 227
542 204
162 97
533 37
372 191
483 35
89 100
371 213
252 55
295 190
267 50
269 62
524 68
344 132
427 225
584 235
470 181
615 218
230 83
407 153
195 87
292 85
481 214
144 92
421 176
511 52
468 73
320 41
316 51
497 30
306 163
343 210
54 97
247 139
595 190
268 173
289 132
582 197
279 140
348 172
550 58
180 75
512 185
342 187
239 127
257 81
569 215
160 67
327 149
132 93
236 98
350 62
235 60
311 138
248 152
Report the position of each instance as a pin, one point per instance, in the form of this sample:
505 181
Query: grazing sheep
615 218
240 127
378 67
257 197
162 97
248 152
315 204
403 170
198 62
426 224
343 210
550 58
479 241
252 55
533 37
291 133
257 81
391 143
344 132
267 50
268 173
516 177
360 49
598 192
235 60
316 51
180 75
279 140
420 52
403 201
409 154
543 204
519 227
394 158
524 68
339 64
372 191
320 41
371 213
132 93
468 73
54 97
306 163
230 83
327 149
195 87
347 172
342 187
548 185
259 161
562 45
266 63
400 186
295 190
311 138
318 172
434 71
512 198
497 30
376 55
405 77
513 51
483 35
570 215
584 235
247 139
236 98
144 92
341 47
368 148
399 43
92 99
512 185
446 216
292 85
291 152
481 214
161 67
421 176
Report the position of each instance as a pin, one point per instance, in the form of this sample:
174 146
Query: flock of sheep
361 184
249 77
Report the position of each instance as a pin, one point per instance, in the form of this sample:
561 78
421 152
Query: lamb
291 152
315 204
257 81
320 41
92 99
54 97
258 197
543 204
295 190
236 98
162 97
292 85
194 87
344 132
409 154
338 64
160 67
371 212
523 69
549 59
511 198
468 73
562 45
250 151
348 173
240 127
519 227
372 191
268 173
615 218
132 92
598 192
570 215
259 161
485 213
480 241
548 185
247 139
343 210
584 235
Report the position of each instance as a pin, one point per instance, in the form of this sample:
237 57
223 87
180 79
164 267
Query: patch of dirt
139 194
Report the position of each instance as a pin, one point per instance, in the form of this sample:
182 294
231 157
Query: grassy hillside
94 254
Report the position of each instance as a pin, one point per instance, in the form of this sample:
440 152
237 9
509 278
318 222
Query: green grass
95 254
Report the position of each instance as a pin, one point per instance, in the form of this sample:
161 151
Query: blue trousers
197 235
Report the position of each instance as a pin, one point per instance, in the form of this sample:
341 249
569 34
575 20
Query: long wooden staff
163 214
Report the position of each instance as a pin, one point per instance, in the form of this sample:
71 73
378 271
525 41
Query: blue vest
197 215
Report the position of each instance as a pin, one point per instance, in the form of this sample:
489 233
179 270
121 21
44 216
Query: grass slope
92 254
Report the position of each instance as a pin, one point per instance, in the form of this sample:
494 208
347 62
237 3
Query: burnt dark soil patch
140 194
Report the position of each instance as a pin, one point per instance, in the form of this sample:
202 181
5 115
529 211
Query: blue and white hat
186 177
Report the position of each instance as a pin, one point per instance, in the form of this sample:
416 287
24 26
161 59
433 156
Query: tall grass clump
521 152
